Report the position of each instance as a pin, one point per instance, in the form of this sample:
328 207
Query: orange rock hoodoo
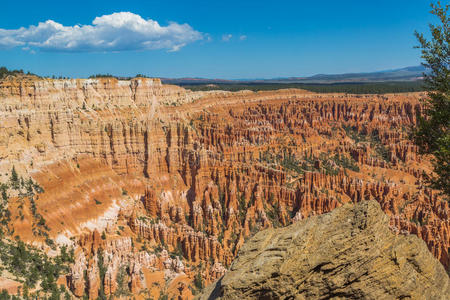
154 184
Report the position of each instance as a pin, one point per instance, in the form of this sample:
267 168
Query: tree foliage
33 266
102 76
4 72
432 133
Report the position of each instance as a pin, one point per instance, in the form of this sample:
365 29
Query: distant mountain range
404 74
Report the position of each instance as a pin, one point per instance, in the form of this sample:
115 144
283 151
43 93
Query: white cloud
116 32
226 37
243 37
208 37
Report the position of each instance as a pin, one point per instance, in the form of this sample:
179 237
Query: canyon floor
138 189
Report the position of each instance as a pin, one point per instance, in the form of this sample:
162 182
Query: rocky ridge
349 253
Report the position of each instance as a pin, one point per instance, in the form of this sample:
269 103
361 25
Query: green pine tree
15 183
432 133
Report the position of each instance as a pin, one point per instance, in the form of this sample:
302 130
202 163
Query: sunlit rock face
349 253
164 185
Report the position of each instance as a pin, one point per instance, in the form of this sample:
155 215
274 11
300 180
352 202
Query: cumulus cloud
120 31
226 37
243 37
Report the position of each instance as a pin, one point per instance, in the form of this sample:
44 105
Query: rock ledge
348 253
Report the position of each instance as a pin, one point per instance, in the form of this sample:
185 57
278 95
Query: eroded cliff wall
166 184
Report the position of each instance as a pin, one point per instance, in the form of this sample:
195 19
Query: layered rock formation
349 253
195 174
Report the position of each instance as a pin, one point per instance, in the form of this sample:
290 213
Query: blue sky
222 39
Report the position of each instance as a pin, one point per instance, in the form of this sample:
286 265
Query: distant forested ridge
350 88
5 72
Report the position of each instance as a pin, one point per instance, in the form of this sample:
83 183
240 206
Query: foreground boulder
348 253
